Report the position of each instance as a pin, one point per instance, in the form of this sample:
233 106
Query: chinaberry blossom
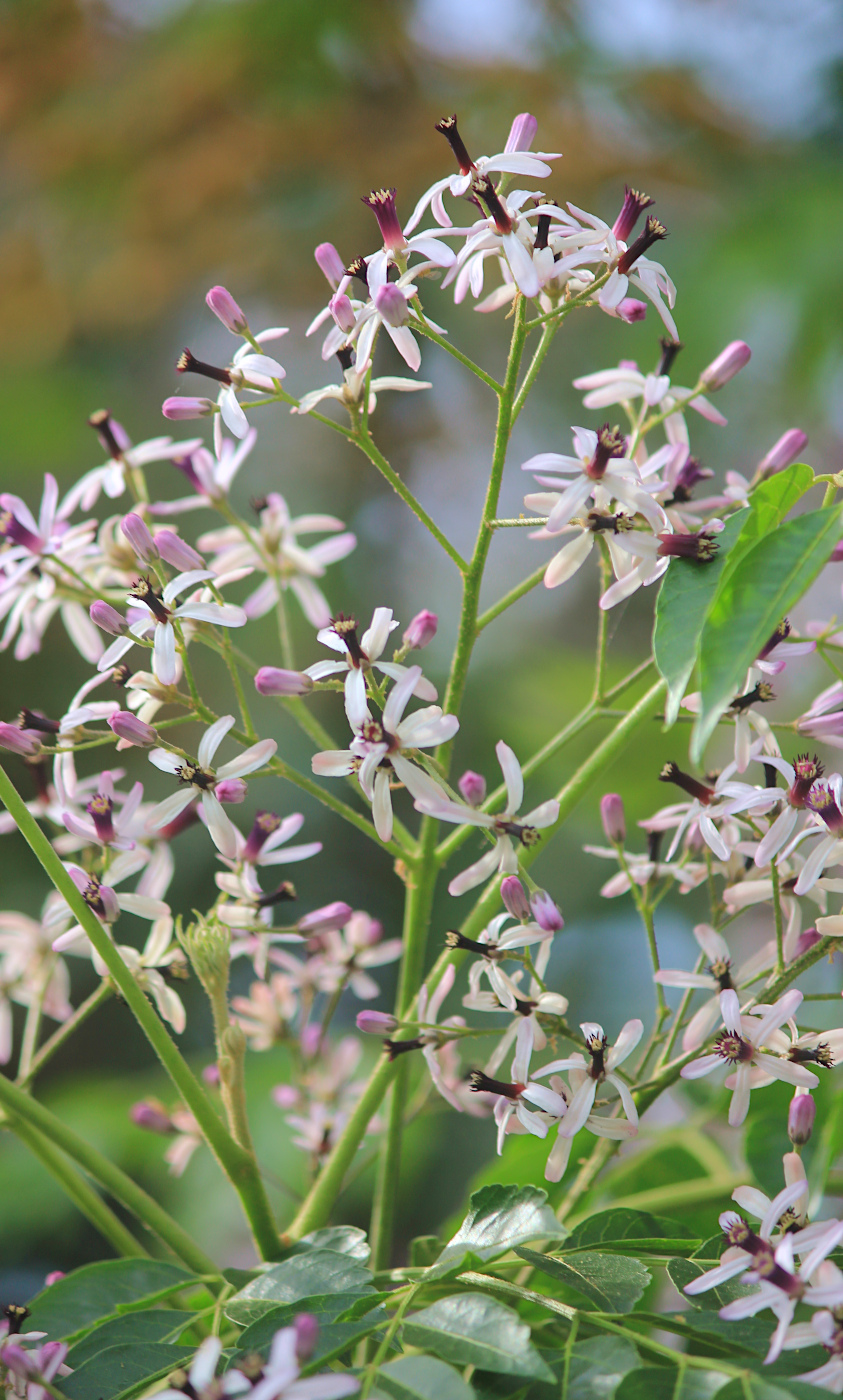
513 1097
107 902
209 473
249 370
627 385
352 390
709 802
586 1076
720 976
494 945
360 654
158 620
600 470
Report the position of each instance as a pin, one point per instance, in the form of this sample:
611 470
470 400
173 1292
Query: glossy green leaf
752 1387
748 1337
149 1325
682 1271
97 1291
470 1329
684 597
769 580
119 1369
343 1319
597 1367
422 1378
667 1383
614 1228
308 1275
342 1239
499 1218
613 1282
770 502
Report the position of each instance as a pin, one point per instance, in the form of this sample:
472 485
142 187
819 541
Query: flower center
346 629
143 590
202 778
720 970
610 444
732 1048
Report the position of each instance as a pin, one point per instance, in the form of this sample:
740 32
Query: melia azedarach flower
483 1028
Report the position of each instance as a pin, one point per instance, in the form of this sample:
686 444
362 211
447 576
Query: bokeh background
152 148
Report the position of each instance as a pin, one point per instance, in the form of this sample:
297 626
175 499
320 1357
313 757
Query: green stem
86 1008
545 340
777 908
422 328
519 591
239 1166
376 457
23 1108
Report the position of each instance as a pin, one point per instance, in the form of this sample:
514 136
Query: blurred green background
152 149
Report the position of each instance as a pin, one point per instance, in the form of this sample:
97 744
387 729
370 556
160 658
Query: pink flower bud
307 1334
53 1277
330 263
178 552
421 630
225 308
514 898
21 741
789 446
806 940
311 1039
108 619
630 310
342 312
211 1074
391 304
132 730
612 817
728 363
232 790
324 920
800 1118
271 680
376 1023
522 133
178 409
285 1095
473 787
137 533
150 1115
546 912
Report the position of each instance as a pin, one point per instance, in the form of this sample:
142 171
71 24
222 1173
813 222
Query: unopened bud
225 308
328 918
272 680
177 552
132 730
20 741
330 263
231 790
728 363
630 310
285 1095
307 1335
151 1115
138 534
800 1118
178 409
108 619
421 630
546 912
522 133
612 817
342 312
789 446
514 898
473 787
53 1277
376 1023
807 939
391 304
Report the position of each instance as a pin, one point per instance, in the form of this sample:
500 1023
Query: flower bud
421 630
514 898
727 364
53 1277
137 533
612 817
342 312
330 263
325 920
179 409
132 730
307 1334
20 741
783 452
630 310
232 790
176 551
546 912
376 1023
108 619
391 304
285 1095
311 1039
225 308
271 680
473 787
807 939
151 1115
522 133
800 1118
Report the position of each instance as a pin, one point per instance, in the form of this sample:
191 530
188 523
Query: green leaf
621 1225
97 1290
473 1330
598 1366
682 1271
765 585
150 1325
309 1275
122 1368
336 1313
611 1281
683 600
424 1251
769 504
748 1337
342 1239
665 1383
499 1218
422 1378
753 1387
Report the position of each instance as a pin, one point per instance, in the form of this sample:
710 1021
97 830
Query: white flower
210 474
345 953
109 826
503 857
512 1098
626 384
30 972
159 624
107 902
123 458
360 654
249 369
158 951
719 977
642 868
200 777
493 946
708 803
739 1045
782 1287
351 391
600 470
634 553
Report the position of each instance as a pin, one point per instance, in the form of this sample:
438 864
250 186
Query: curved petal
212 738
512 776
